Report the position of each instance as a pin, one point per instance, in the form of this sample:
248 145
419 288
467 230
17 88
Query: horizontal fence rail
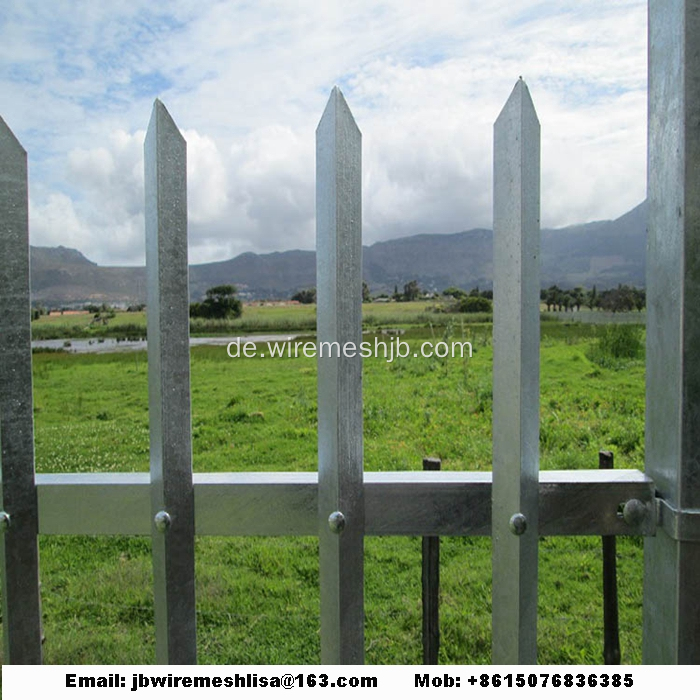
581 502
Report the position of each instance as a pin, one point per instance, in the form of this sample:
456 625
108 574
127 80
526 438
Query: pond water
103 345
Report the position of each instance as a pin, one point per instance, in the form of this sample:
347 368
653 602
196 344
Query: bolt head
336 522
517 524
162 521
634 512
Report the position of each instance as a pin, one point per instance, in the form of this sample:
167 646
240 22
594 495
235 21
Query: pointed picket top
337 112
519 105
161 124
14 224
10 147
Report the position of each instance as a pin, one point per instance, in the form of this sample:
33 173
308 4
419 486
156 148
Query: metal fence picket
172 492
339 324
516 371
19 554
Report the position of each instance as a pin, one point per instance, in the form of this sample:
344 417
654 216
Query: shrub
617 342
470 305
220 302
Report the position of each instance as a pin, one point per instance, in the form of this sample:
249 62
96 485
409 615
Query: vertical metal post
516 338
672 557
19 554
339 319
431 586
611 628
172 492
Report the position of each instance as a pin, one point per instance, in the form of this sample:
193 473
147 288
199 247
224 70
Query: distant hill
64 276
604 253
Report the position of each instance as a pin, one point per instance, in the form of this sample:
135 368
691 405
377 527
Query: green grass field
257 318
258 598
266 318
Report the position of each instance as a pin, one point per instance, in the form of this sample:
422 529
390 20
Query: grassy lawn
256 318
258 598
262 317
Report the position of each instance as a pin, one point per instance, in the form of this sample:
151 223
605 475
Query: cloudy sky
247 82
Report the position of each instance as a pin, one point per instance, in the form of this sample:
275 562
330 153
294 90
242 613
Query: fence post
431 585
19 554
516 339
339 321
611 627
172 493
672 557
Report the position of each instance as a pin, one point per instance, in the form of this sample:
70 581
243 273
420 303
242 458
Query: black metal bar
611 627
431 586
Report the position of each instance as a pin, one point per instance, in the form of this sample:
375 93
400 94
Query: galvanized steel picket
172 493
516 372
672 450
339 322
19 554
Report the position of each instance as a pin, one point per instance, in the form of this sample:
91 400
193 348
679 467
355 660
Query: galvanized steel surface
672 449
169 389
577 502
19 555
339 320
516 341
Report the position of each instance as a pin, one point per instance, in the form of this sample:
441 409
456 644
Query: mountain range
602 253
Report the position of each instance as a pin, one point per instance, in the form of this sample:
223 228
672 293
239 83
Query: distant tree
305 296
578 296
38 312
454 292
366 294
592 298
553 298
623 298
411 291
103 315
219 302
475 304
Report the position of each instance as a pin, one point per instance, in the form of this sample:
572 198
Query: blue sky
247 82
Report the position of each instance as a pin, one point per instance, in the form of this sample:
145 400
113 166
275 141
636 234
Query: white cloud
207 195
274 174
103 214
55 222
247 83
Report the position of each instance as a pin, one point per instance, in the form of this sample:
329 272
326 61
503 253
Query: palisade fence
341 504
